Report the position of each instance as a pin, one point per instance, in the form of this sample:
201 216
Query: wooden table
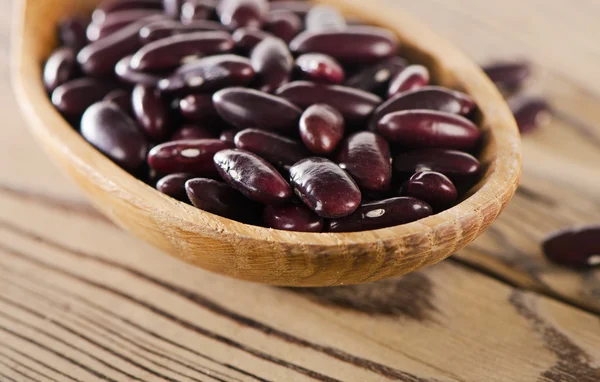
80 300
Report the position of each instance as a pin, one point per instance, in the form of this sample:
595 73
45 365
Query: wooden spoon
259 254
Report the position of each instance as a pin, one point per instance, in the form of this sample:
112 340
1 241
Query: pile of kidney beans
282 114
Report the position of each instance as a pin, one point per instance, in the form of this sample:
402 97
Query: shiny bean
190 156
509 76
410 78
72 32
530 112
152 112
292 217
173 51
121 98
277 150
321 128
366 157
321 68
325 187
74 97
243 13
382 214
115 134
300 8
117 21
248 108
434 188
187 132
107 7
218 198
252 176
429 129
248 38
283 24
272 63
126 74
209 74
574 247
193 10
166 28
324 17
454 164
376 78
198 108
60 67
352 46
174 185
172 7
355 105
228 135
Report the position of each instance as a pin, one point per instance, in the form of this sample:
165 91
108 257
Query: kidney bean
272 63
117 21
300 8
355 105
172 7
219 199
252 176
74 97
292 217
574 247
376 78
432 187
352 46
509 76
382 214
530 112
193 10
72 32
152 112
410 78
173 51
452 163
324 17
321 68
242 13
248 38
325 187
115 134
107 7
166 28
248 108
209 74
190 156
321 128
277 150
121 98
126 74
228 135
198 108
429 129
366 157
187 132
283 24
60 67
174 185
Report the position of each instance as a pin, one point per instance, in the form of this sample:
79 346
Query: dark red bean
352 46
452 163
172 7
382 214
173 51
427 98
121 98
218 198
167 28
191 156
252 176
74 97
198 108
248 108
228 135
292 217
429 129
325 187
324 17
530 112
243 13
508 76
115 134
187 132
366 156
321 68
117 21
247 39
434 188
193 10
272 63
126 74
300 8
71 32
355 105
574 247
277 150
111 6
60 67
152 112
376 78
410 78
209 74
174 185
321 128
283 24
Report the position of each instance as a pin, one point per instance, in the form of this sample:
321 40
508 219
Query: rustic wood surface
80 300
